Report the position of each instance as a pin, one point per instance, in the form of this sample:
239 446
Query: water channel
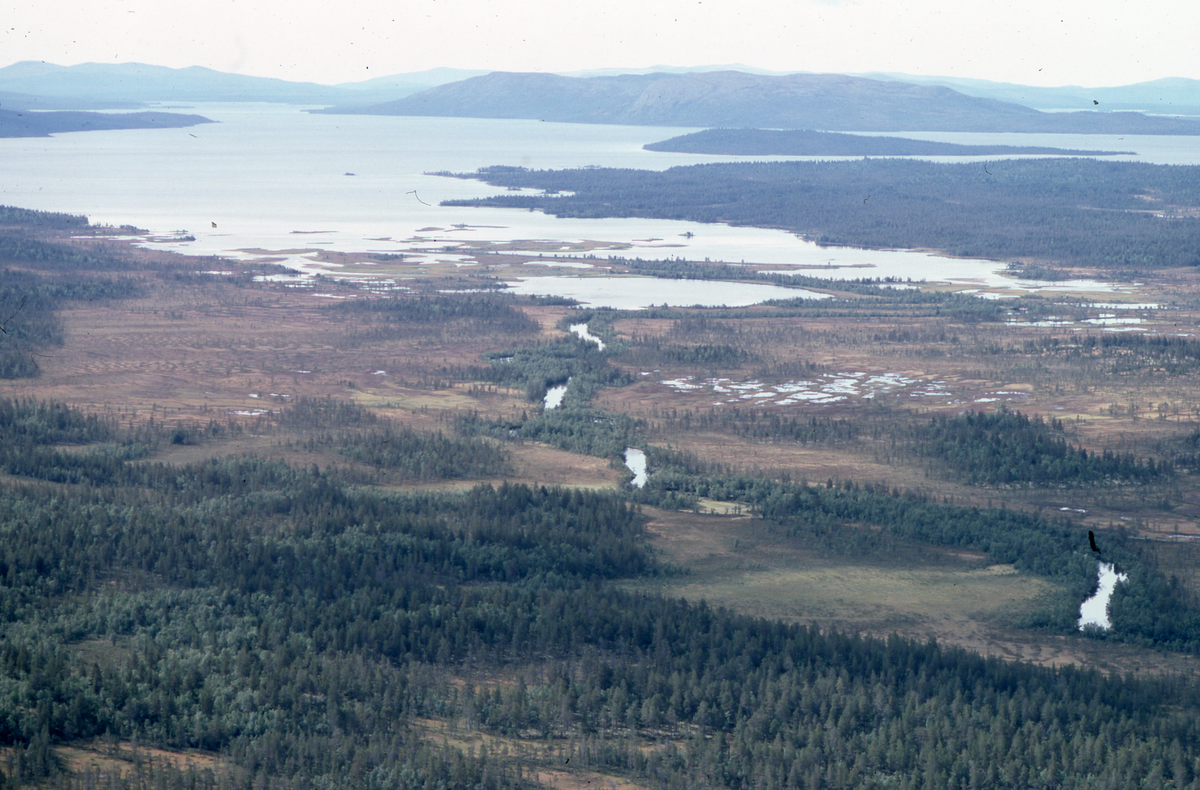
584 334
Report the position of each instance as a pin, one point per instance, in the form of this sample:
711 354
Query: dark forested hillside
304 631
23 217
1009 448
1078 212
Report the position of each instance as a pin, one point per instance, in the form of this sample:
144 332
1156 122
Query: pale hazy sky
1038 42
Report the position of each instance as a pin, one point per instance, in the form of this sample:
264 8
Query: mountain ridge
112 85
833 102
612 94
1174 95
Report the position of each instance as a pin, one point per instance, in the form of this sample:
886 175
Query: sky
1094 43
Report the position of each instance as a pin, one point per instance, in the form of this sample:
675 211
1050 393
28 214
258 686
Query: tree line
29 305
1011 448
1126 353
1071 211
406 316
12 215
300 628
807 142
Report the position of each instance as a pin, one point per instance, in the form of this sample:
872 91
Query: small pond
635 459
1094 611
554 396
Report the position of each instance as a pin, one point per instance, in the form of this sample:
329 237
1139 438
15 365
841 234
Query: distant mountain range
11 100
1170 96
831 102
706 96
90 85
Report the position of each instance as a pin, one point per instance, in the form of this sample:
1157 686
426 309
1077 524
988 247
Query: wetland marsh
828 465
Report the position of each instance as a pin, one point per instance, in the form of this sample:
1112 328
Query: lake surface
554 396
635 459
636 293
1094 611
272 178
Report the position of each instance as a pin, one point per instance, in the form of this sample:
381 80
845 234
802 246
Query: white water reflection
636 293
269 182
635 459
232 189
1094 611
554 396
820 389
584 334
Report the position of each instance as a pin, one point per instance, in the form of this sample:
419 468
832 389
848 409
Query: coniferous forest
348 587
305 628
1121 216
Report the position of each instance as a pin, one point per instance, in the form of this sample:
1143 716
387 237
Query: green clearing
920 591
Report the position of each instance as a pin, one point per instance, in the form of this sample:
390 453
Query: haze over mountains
737 99
697 97
33 83
1168 96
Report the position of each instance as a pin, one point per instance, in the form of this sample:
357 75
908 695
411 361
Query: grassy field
98 761
954 596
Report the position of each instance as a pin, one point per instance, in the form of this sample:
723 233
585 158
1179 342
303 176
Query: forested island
1116 215
807 142
26 123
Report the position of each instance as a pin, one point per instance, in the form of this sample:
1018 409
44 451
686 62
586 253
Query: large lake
272 177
